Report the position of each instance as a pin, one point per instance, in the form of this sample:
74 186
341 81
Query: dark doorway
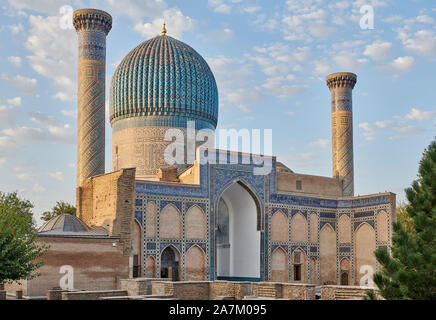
170 264
297 273
136 270
344 278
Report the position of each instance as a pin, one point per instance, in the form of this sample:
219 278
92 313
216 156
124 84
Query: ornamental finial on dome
164 30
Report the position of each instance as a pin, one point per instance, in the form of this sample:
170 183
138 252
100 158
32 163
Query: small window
297 258
299 185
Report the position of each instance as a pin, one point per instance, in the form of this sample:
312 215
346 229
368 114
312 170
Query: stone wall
97 264
108 200
288 291
312 185
139 286
92 295
162 288
344 292
235 290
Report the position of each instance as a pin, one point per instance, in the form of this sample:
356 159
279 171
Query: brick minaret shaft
92 27
341 86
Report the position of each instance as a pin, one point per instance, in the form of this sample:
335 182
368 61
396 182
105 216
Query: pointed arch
242 255
344 229
313 221
344 272
327 254
195 223
195 264
382 227
279 227
170 262
170 223
365 245
299 264
253 193
136 248
279 265
299 228
150 220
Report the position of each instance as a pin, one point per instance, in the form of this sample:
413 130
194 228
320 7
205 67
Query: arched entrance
238 234
170 263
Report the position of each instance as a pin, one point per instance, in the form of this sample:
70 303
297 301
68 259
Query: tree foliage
18 247
61 207
410 271
404 218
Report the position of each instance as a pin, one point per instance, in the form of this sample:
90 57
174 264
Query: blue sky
270 59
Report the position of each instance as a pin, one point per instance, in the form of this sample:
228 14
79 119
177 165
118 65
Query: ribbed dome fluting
165 82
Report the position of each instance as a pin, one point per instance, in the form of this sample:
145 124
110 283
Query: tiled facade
215 179
92 27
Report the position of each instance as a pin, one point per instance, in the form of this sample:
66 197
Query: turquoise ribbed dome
164 82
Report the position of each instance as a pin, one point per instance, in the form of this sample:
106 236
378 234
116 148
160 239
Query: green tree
410 272
61 207
18 247
404 218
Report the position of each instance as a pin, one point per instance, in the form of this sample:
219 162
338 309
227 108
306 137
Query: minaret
92 27
341 86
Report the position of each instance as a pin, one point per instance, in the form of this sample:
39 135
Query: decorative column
92 27
341 86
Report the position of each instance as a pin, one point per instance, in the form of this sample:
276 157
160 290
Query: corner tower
92 27
341 86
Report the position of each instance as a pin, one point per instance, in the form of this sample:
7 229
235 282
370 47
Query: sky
270 60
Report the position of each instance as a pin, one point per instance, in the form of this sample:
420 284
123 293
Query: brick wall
108 200
97 265
288 291
92 295
138 286
344 292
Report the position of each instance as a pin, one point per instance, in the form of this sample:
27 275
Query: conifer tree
409 272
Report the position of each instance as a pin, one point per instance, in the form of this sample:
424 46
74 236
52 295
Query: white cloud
378 50
426 19
137 9
16 28
320 143
176 24
38 188
322 67
251 9
70 113
21 83
349 61
16 61
52 55
58 175
8 115
49 129
233 80
24 176
416 114
399 65
423 43
15 101
43 6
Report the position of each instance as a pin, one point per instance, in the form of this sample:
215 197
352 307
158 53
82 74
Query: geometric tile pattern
166 82
216 178
341 86
92 27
